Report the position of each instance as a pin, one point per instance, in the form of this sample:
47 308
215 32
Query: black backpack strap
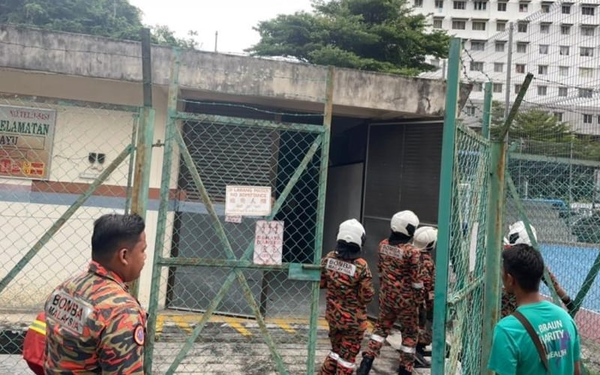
536 339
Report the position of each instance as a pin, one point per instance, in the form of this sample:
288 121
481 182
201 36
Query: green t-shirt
513 350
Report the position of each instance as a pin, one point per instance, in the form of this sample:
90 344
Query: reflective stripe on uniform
377 338
417 285
346 364
38 326
334 355
407 349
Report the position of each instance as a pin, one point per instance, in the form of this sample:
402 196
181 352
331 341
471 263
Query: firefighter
425 240
348 280
34 345
517 234
94 325
401 289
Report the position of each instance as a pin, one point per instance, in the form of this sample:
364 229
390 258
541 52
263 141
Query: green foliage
376 35
109 18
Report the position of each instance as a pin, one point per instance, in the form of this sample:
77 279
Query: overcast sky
233 19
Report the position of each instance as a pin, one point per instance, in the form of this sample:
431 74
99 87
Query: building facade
556 41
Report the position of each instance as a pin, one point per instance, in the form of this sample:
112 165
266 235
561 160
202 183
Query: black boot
421 362
365 365
403 371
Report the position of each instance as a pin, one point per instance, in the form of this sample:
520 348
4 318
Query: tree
377 35
109 18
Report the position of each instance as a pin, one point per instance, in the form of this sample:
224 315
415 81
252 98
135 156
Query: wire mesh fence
467 251
58 160
233 293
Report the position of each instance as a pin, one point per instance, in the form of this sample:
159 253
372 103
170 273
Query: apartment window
523 7
558 116
459 25
520 68
566 9
562 91
565 29
521 47
517 89
460 5
477 45
544 49
564 50
477 66
477 86
497 87
586 51
587 119
471 110
542 90
563 71
587 11
480 5
418 3
478 25
545 28
501 7
585 93
542 69
500 26
586 72
500 46
545 8
522 27
588 30
439 4
437 23
498 67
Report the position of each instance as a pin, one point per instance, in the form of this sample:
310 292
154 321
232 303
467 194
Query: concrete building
382 124
556 41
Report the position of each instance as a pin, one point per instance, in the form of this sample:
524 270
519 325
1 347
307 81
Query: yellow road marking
235 324
284 325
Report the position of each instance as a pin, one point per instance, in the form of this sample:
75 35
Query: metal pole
445 210
487 110
141 181
314 307
163 208
511 30
216 40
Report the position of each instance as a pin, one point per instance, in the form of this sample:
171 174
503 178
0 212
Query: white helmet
405 222
352 231
517 234
425 238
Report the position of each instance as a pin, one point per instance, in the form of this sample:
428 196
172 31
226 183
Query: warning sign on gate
247 201
26 138
268 243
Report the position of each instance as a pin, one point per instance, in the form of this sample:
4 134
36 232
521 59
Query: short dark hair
112 231
525 265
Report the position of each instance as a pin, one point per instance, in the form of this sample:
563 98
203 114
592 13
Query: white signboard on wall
247 201
268 243
26 139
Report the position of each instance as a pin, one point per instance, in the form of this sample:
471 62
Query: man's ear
123 255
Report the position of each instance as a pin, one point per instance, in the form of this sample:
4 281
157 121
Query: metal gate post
314 307
445 210
165 187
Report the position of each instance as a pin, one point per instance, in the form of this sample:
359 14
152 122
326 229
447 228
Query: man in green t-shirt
513 349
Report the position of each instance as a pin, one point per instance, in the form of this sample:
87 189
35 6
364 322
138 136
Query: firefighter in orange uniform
34 345
94 325
348 280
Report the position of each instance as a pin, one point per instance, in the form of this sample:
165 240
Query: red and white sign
268 242
247 200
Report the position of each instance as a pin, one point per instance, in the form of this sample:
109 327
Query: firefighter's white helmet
352 231
517 234
405 222
425 238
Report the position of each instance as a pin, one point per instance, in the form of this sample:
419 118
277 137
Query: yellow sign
26 140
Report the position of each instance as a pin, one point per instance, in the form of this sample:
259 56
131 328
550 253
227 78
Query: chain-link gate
62 165
215 307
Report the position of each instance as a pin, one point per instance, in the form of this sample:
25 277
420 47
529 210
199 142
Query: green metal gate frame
236 265
143 119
